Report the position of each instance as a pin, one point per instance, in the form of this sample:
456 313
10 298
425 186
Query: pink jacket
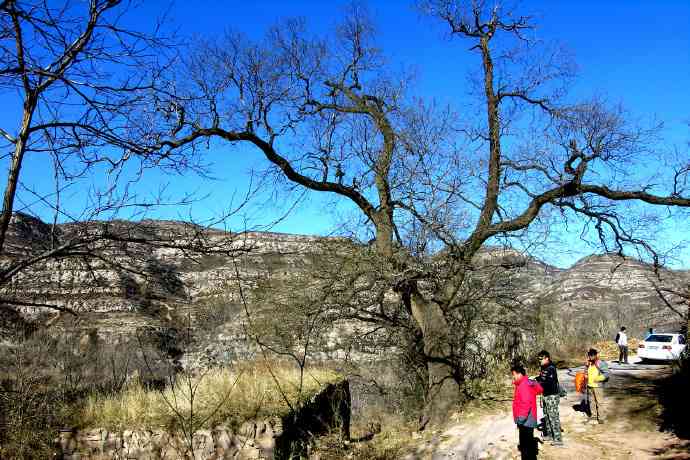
525 401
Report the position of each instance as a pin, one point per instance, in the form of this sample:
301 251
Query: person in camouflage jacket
548 378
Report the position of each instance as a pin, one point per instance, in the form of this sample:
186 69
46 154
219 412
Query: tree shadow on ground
679 450
672 393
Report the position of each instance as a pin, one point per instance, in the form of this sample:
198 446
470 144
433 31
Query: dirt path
630 432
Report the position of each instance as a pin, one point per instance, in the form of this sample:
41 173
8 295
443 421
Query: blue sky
635 52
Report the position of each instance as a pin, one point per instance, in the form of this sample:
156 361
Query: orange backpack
580 382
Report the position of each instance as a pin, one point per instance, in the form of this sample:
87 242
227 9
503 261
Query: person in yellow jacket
597 375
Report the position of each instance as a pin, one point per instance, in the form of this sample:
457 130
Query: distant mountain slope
134 287
166 288
600 293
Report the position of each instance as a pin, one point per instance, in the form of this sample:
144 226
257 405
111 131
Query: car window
659 338
681 340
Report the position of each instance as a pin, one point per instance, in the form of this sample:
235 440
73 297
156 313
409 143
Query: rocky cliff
600 293
169 283
152 278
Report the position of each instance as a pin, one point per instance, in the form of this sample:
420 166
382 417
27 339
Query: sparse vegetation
397 438
44 380
219 396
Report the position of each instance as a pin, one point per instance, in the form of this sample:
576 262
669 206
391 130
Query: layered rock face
169 285
184 278
600 293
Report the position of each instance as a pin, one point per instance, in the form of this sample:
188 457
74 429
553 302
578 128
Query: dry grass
229 396
398 438
495 385
609 350
394 441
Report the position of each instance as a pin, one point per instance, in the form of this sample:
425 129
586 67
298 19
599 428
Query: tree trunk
443 390
687 325
15 168
384 233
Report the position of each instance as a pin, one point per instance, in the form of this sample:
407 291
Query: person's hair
544 354
623 328
592 352
519 368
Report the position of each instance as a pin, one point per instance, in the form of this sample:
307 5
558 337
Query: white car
663 347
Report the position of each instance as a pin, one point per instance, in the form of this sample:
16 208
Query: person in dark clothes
525 410
548 379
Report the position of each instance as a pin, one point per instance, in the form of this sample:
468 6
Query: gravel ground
630 431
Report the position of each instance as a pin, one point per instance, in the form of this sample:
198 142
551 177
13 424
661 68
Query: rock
609 288
67 441
221 438
202 445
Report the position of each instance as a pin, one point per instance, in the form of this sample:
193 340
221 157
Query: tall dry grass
608 350
220 396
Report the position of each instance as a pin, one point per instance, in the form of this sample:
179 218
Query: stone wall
277 438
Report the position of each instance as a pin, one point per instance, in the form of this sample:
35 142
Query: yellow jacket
594 376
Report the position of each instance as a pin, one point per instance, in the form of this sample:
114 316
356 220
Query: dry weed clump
398 438
608 350
229 396
383 433
494 386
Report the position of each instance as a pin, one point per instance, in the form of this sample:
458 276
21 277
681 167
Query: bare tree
75 79
329 116
677 301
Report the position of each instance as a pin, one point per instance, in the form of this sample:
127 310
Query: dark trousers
528 444
623 355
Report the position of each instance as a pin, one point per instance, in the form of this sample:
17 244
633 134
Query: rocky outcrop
183 277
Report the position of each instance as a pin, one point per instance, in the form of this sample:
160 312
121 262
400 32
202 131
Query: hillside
167 287
157 289
600 293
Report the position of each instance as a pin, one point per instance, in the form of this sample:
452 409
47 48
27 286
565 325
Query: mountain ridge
593 297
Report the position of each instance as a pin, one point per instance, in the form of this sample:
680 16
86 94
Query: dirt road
630 432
